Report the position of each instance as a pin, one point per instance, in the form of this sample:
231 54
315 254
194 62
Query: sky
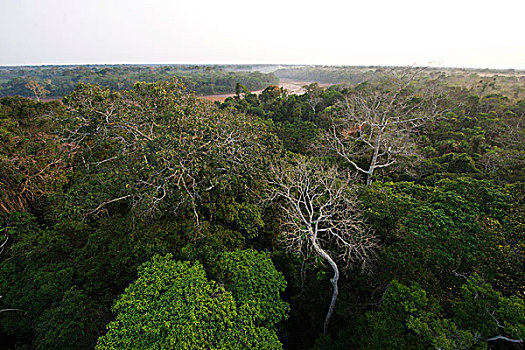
445 33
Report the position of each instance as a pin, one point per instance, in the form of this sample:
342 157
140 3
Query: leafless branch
102 205
2 246
320 210
501 337
386 115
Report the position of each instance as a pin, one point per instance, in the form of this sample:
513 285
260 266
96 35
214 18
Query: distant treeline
58 81
509 82
328 74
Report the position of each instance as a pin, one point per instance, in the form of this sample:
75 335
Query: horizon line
256 64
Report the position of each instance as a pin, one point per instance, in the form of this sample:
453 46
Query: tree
489 314
38 90
255 284
376 121
158 147
409 318
321 216
70 324
506 159
314 92
173 305
37 280
462 225
31 163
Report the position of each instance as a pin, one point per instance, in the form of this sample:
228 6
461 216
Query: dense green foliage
147 218
172 305
251 278
410 319
157 147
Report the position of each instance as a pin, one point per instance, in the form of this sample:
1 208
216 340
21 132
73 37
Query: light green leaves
172 305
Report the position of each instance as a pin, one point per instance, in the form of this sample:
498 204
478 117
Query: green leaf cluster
172 305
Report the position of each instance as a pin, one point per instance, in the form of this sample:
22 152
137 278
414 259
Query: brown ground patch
294 87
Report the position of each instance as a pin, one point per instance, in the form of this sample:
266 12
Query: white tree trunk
334 280
373 161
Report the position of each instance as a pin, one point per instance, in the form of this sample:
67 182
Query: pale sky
447 33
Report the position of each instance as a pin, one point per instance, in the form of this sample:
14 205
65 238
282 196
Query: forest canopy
141 216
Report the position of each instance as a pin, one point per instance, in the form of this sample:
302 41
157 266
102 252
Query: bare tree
322 216
377 120
38 90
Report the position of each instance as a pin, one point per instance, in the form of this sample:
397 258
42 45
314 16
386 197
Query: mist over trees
384 214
